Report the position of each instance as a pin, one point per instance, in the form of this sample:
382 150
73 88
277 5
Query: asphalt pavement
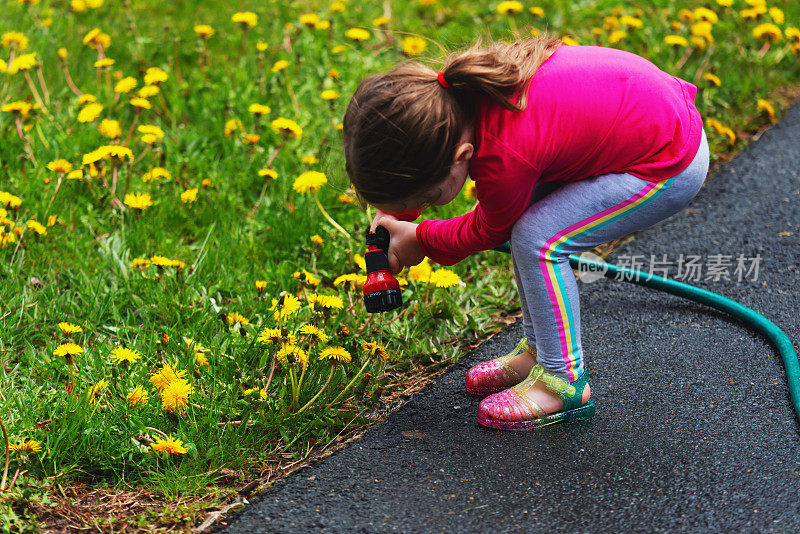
694 430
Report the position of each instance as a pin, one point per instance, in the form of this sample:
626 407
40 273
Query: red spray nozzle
381 290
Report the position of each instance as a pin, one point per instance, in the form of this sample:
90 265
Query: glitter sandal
511 409
496 375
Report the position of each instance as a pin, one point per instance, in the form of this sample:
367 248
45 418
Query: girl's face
443 192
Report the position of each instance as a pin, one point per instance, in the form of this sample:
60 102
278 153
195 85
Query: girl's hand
404 249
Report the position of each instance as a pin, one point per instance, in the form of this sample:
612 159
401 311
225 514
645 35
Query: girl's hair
402 127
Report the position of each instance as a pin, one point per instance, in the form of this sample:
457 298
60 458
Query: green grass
81 270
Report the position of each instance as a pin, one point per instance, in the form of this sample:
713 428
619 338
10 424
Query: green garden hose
748 316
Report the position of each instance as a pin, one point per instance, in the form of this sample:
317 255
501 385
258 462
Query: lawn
180 253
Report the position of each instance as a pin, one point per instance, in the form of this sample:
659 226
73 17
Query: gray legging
576 217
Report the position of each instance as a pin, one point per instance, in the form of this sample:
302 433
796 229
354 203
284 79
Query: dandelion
537 11
307 277
22 62
259 109
280 65
120 354
190 195
251 138
140 263
420 272
703 13
337 7
339 354
509 8
60 165
309 20
154 76
77 174
702 29
165 376
676 40
777 15
285 307
109 128
268 173
469 190
768 32
148 91
338 49
156 173
712 78
231 126
314 333
413 46
569 41
375 350
16 40
246 19
151 129
138 201
235 317
317 239
298 355
616 36
90 112
327 302
168 446
287 126
200 359
444 278
69 329
261 286
68 351
26 447
767 108
103 63
137 397
269 336
175 396
380 21
329 94
86 98
204 31
98 389
140 103
19 107
36 227
357 34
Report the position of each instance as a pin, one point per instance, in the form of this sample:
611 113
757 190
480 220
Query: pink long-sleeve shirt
591 110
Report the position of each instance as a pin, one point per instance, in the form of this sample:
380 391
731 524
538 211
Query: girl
570 147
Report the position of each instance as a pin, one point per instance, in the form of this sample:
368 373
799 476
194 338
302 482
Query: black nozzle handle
378 238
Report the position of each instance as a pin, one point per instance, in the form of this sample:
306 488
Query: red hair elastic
441 79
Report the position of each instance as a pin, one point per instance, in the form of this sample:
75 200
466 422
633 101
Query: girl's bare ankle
523 363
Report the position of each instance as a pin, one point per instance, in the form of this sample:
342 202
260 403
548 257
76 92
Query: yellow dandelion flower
537 11
346 199
137 397
766 107
339 354
16 39
338 49
317 239
200 359
148 91
22 62
204 31
357 34
297 354
509 7
616 36
285 307
268 173
420 272
262 46
23 108
725 3
413 45
251 138
712 78
97 390
345 279
247 19
103 63
375 350
37 227
69 328
190 195
138 201
287 126
140 263
280 65
77 174
322 25
309 19
109 128
329 94
90 112
151 129
676 40
231 126
155 75
380 21
235 317
175 396
68 350
60 165
703 13
444 278
168 446
686 15
307 277
259 109
269 335
206 182
702 29
140 103
337 7
27 447
768 32
309 159
261 285
314 333
777 15
165 376
125 85
120 354
86 98
309 181
569 41
156 173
